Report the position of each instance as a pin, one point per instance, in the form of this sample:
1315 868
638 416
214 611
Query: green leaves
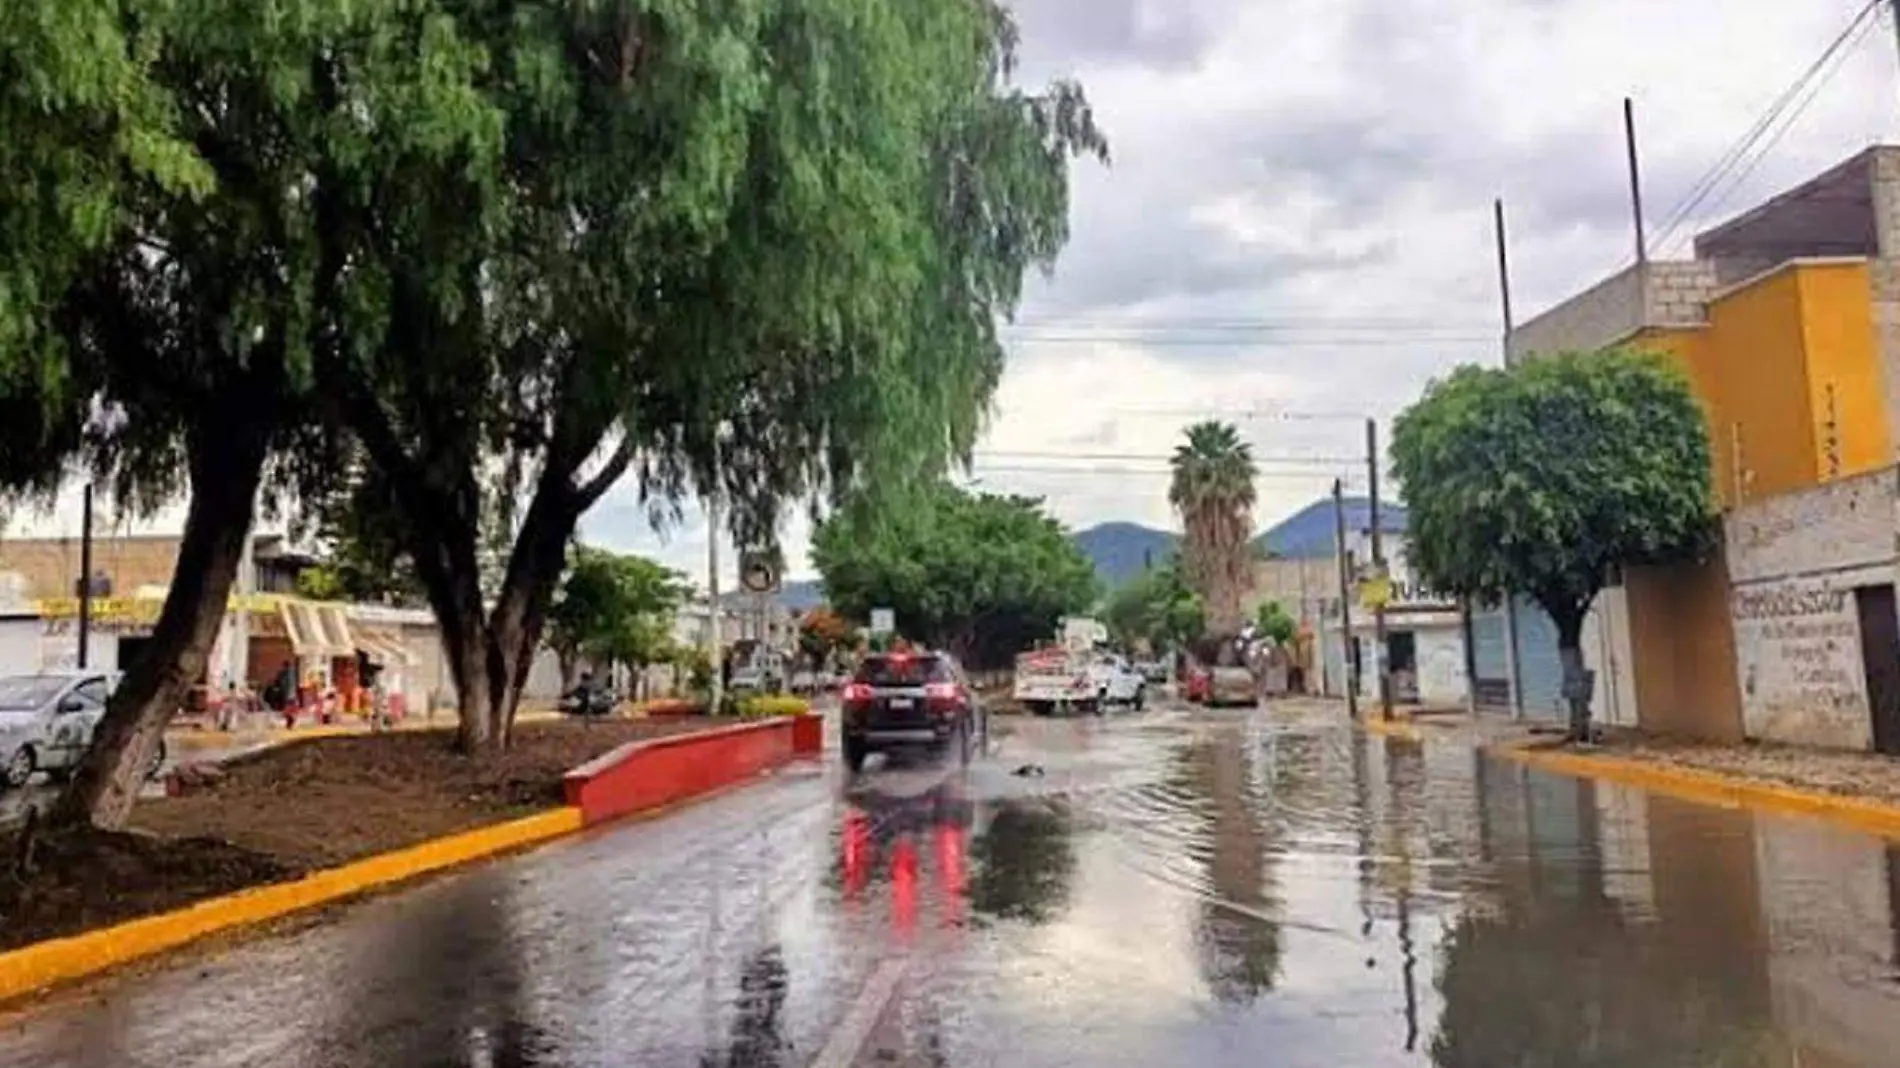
1272 621
1213 490
1544 477
984 575
1156 607
616 607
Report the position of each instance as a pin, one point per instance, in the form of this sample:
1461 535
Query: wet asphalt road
1171 888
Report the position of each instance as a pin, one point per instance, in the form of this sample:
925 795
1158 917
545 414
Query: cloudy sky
1296 229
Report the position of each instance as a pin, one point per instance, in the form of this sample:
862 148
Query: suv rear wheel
854 753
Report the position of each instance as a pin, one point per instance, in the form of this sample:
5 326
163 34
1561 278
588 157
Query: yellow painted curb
44 964
1394 728
1711 787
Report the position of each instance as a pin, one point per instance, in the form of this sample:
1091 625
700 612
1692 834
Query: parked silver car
47 720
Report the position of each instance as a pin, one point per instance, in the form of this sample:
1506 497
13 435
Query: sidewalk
263 732
1853 787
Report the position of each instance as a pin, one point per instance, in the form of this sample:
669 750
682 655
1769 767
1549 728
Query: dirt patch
1864 775
294 809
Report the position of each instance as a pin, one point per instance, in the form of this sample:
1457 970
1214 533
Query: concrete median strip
669 775
46 964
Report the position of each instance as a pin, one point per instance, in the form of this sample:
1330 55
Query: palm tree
1213 489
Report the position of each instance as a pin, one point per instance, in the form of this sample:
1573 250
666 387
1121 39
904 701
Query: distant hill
798 595
1119 551
1311 531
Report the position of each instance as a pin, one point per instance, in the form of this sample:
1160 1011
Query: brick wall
51 565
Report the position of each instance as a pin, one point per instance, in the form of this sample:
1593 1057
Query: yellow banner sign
135 610
1375 592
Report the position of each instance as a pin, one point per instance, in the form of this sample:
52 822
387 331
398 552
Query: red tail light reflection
857 844
946 855
904 886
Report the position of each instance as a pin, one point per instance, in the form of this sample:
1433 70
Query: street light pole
85 578
711 638
1380 656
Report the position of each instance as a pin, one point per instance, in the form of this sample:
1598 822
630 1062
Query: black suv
910 701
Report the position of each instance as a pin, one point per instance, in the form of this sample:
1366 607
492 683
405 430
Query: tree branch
591 490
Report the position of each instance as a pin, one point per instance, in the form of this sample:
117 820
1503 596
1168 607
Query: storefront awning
316 629
384 648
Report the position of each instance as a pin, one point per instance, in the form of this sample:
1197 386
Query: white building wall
20 645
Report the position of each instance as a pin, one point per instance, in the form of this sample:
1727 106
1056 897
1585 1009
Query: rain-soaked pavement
1168 888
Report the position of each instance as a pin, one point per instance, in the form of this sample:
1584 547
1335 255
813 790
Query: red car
1198 686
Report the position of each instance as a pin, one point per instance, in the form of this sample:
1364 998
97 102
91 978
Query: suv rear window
903 670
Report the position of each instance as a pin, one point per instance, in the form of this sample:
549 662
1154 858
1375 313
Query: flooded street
1167 888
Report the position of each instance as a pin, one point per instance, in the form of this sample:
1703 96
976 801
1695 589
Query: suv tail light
943 691
857 692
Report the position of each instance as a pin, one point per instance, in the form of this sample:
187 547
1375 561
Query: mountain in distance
1120 550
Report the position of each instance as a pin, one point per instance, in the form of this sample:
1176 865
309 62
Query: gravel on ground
1865 775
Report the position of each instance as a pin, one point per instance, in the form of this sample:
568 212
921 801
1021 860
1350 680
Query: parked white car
47 720
1118 682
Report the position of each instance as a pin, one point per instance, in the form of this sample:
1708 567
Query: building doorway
1880 656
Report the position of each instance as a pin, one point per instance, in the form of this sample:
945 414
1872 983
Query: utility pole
1512 670
1381 660
238 662
1636 181
712 583
85 578
1345 598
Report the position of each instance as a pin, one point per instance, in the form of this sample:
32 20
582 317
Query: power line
984 470
1276 342
1793 116
1163 458
1249 414
1706 184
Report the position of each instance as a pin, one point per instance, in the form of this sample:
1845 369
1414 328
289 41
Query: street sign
1375 591
758 573
883 621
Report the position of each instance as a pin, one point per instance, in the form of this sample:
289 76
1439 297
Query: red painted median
662 771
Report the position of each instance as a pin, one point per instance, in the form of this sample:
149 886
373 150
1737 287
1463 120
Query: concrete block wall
1608 311
1849 523
1884 276
1677 293
1660 293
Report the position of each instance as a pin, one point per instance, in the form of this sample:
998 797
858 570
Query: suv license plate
900 702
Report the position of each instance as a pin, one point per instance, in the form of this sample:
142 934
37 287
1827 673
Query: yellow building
1787 323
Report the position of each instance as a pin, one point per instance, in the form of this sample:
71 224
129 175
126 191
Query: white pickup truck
1063 680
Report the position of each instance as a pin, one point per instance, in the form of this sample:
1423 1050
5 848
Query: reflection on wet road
1170 888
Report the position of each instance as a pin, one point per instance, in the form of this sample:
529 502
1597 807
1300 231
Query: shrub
765 707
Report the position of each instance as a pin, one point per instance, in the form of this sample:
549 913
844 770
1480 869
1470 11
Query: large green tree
1156 608
983 575
1546 478
175 333
614 607
1213 490
751 248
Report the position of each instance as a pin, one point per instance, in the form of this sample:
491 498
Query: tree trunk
490 650
225 471
1578 681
